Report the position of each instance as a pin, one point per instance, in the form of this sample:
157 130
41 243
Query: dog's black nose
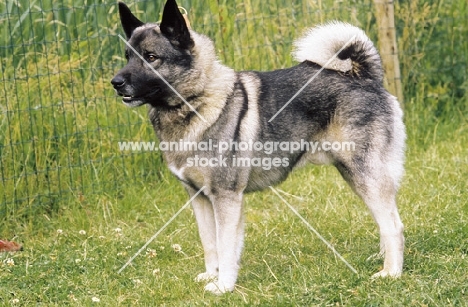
118 81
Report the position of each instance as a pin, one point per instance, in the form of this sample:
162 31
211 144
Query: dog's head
159 59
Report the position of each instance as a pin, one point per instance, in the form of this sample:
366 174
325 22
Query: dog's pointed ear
128 20
173 26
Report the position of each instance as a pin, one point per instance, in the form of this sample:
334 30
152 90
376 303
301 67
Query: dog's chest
190 175
177 171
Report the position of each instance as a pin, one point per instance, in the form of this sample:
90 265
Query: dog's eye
127 56
151 58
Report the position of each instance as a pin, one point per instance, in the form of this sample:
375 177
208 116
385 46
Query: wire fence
60 120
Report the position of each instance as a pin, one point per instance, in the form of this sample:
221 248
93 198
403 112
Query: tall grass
433 48
60 121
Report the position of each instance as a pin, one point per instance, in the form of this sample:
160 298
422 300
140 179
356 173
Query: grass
60 168
283 263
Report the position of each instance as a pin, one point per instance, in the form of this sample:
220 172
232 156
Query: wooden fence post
388 47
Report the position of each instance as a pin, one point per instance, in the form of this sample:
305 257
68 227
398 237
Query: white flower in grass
118 231
72 297
156 271
95 299
82 232
59 231
151 253
177 248
15 301
10 262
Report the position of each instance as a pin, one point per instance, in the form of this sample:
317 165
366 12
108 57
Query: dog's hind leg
377 185
382 205
204 214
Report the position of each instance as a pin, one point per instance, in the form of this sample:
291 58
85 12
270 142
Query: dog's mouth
128 99
132 101
137 100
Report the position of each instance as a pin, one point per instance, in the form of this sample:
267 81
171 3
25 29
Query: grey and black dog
193 98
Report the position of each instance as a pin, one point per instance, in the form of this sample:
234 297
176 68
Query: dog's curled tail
342 47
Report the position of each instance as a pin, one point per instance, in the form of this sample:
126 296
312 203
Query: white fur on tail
321 43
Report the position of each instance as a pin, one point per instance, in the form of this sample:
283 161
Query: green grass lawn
283 263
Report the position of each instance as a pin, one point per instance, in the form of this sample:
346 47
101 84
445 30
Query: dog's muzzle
118 82
123 89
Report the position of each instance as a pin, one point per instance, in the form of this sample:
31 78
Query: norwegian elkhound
247 130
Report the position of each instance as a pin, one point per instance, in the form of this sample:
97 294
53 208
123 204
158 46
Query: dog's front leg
204 214
229 220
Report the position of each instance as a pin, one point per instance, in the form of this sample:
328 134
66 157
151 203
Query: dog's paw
206 277
218 288
387 273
